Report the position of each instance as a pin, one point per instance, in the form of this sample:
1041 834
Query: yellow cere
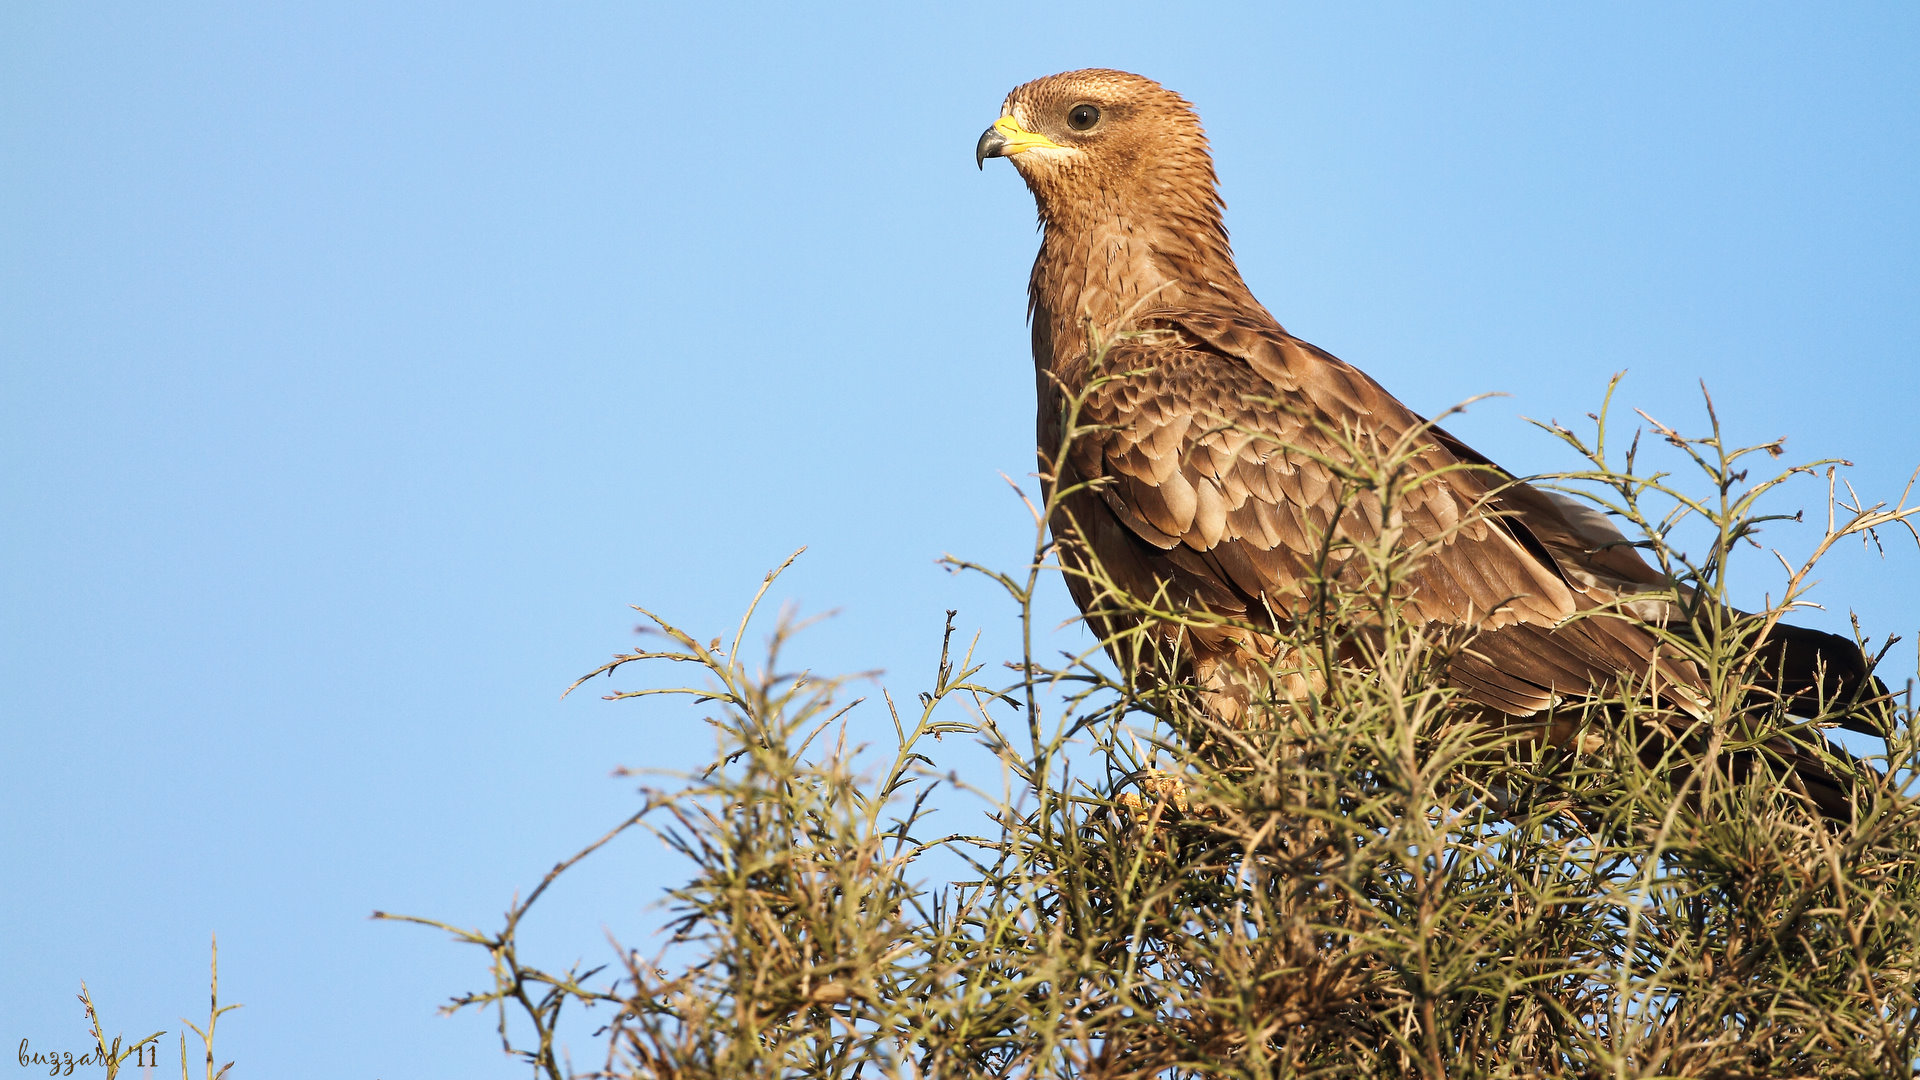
1020 139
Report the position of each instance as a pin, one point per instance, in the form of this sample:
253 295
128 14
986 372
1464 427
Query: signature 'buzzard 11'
1184 472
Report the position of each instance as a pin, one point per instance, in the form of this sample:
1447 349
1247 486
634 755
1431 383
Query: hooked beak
991 144
1006 138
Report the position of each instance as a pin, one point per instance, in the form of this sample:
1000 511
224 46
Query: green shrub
1359 877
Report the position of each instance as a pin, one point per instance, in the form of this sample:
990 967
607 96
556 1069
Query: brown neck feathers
1120 243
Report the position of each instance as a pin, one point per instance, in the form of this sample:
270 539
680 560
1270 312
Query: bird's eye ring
1082 117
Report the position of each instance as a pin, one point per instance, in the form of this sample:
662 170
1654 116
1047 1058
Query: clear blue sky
359 363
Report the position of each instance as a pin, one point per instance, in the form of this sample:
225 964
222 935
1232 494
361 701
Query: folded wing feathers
1195 439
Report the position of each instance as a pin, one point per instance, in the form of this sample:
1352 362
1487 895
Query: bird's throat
1096 276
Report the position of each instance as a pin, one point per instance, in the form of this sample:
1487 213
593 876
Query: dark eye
1083 117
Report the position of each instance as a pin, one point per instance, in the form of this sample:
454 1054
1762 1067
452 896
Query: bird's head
1096 137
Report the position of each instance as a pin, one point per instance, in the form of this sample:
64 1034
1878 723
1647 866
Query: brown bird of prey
1194 471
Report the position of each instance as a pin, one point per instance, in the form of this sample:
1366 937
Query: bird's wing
1217 440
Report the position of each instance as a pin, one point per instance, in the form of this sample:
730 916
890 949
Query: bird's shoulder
1222 433
1182 379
